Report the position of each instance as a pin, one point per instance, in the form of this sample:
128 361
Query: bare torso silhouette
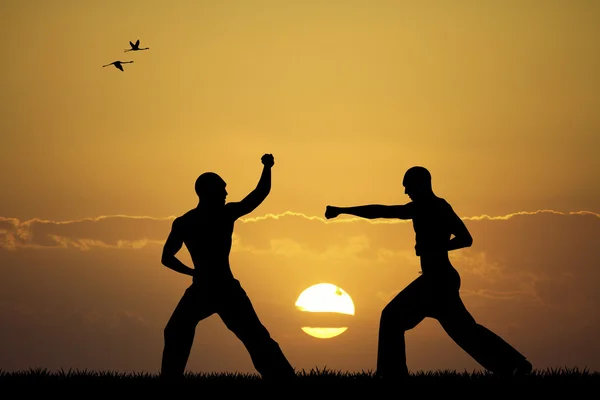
207 231
434 223
207 234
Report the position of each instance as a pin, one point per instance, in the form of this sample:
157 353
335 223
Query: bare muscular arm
173 244
462 237
259 194
372 211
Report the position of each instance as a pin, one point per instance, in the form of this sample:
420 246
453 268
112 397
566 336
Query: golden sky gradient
500 100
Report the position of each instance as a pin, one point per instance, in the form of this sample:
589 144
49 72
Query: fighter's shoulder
443 204
232 209
183 219
231 205
446 209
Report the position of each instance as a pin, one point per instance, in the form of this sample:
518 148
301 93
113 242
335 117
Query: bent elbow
165 260
469 241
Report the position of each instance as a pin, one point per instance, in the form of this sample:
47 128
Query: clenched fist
331 212
268 160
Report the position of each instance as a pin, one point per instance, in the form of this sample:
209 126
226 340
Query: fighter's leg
401 314
238 314
487 348
179 332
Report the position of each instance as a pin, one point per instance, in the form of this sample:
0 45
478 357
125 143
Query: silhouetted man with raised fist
435 293
206 232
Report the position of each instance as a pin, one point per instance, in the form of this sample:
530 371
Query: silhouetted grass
40 375
313 384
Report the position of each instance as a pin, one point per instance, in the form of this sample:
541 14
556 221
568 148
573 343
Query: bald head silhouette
210 188
417 183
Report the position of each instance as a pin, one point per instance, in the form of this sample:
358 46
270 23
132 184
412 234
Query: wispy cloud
117 231
134 232
537 212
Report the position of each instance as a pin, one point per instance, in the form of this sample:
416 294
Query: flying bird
136 46
118 64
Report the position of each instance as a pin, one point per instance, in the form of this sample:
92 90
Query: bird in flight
118 64
136 46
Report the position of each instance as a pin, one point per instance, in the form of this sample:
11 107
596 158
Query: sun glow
325 298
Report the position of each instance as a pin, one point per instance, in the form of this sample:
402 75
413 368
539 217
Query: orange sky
498 99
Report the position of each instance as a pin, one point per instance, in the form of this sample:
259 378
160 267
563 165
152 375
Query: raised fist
268 160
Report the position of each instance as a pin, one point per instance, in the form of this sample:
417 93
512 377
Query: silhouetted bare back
207 236
438 230
206 232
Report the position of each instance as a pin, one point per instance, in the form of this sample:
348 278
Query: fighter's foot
171 379
523 369
280 378
394 379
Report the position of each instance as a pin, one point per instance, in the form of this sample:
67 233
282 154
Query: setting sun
325 298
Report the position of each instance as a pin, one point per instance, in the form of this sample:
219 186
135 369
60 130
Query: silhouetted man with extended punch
435 293
206 232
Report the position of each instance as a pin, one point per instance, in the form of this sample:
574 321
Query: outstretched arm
372 211
259 194
172 245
